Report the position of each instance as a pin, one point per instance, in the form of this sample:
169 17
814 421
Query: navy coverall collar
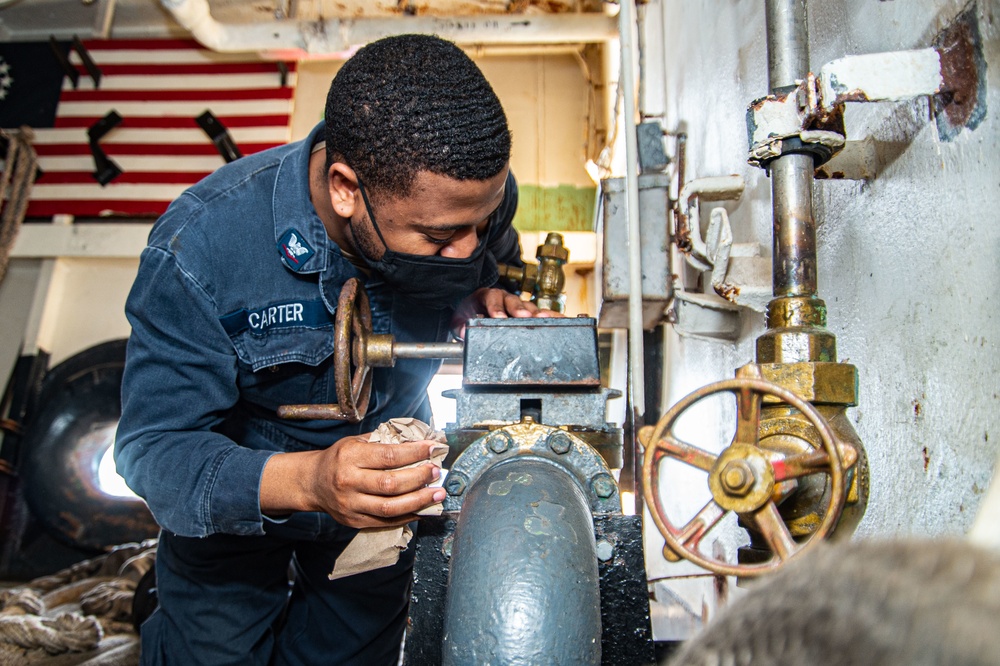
292 206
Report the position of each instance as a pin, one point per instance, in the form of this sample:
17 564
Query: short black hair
411 103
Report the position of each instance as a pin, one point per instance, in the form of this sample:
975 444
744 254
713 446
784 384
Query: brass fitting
798 353
546 279
819 383
378 350
796 332
784 430
551 255
525 276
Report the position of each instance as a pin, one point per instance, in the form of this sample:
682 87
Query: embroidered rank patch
295 250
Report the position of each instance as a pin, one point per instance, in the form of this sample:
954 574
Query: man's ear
343 185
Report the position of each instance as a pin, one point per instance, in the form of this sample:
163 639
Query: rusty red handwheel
352 375
744 478
351 372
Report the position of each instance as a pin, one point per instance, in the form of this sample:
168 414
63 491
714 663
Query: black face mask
432 281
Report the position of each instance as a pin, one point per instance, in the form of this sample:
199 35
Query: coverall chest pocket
286 367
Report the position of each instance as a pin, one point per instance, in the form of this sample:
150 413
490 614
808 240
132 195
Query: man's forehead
444 204
430 183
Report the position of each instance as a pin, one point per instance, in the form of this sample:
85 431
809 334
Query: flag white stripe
49 136
189 168
190 56
252 107
115 82
136 163
111 192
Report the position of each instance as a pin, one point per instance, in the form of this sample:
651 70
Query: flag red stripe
140 44
175 95
176 122
86 208
112 149
178 68
128 177
261 96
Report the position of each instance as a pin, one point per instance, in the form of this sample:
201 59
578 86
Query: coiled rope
16 181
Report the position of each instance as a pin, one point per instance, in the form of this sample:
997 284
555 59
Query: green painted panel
560 208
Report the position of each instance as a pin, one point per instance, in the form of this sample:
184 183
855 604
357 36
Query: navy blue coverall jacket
232 315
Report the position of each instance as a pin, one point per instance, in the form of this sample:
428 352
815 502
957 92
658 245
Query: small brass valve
544 281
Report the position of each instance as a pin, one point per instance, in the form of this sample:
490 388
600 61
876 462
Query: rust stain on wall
962 100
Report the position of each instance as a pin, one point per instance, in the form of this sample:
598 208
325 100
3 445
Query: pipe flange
554 445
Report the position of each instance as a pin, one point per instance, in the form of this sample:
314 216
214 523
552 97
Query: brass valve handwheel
351 373
744 478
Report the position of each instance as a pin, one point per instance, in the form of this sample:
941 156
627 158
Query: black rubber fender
78 410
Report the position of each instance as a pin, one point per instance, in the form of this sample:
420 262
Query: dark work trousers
223 600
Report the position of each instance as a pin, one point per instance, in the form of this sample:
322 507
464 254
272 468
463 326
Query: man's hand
355 481
496 304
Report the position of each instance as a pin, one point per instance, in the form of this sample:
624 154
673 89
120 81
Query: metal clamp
809 118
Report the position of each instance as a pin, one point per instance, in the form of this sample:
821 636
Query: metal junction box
656 282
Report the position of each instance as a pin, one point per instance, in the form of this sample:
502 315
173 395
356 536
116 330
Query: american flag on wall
158 87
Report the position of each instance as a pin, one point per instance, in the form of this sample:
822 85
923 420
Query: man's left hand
496 304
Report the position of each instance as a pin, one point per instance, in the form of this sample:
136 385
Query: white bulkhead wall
908 260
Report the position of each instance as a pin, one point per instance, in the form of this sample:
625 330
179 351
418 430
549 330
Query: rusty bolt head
455 483
737 478
499 442
560 442
604 486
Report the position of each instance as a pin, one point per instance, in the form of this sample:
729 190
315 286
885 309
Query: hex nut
499 442
603 485
737 478
560 442
455 484
552 248
796 345
824 383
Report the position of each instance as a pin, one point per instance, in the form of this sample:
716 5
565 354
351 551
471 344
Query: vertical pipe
787 42
794 258
636 370
794 238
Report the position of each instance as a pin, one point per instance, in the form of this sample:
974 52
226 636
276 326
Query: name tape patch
302 314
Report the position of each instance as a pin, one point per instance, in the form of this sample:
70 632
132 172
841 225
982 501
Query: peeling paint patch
544 516
500 488
962 101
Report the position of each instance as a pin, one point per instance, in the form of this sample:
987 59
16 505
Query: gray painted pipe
523 587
